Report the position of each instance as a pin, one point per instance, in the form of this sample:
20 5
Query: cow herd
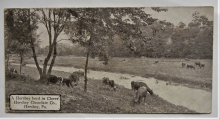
71 81
190 66
140 88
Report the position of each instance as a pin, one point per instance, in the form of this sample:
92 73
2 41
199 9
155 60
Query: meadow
167 69
98 99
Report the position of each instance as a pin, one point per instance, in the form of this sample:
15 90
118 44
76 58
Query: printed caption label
35 102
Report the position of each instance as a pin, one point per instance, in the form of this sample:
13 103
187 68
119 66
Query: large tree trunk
46 60
53 60
86 65
33 48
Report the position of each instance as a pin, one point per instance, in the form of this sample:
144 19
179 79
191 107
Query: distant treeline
160 39
187 42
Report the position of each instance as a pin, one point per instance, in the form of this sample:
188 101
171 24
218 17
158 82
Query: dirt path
194 99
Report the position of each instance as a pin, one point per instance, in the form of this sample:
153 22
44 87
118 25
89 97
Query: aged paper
109 60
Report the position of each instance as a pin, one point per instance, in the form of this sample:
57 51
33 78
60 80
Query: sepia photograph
109 60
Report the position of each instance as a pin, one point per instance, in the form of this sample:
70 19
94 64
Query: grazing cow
197 64
202 65
111 83
74 78
137 85
105 81
156 62
190 66
54 79
141 93
183 64
12 70
68 82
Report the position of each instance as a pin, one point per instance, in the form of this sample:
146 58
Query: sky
173 15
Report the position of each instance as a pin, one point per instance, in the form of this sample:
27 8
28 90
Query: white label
35 102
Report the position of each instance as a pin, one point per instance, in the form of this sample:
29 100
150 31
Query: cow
197 64
183 64
202 65
54 80
137 85
111 83
12 70
74 78
68 82
156 62
105 81
190 66
141 93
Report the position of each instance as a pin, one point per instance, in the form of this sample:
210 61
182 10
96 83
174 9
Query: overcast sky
173 15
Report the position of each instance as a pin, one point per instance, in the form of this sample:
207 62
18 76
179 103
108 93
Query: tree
96 28
9 25
54 20
182 25
16 33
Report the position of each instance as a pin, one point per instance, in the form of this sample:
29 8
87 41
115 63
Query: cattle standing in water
190 66
137 85
141 93
183 64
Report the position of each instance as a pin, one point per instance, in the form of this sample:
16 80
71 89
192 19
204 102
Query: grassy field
98 99
166 69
